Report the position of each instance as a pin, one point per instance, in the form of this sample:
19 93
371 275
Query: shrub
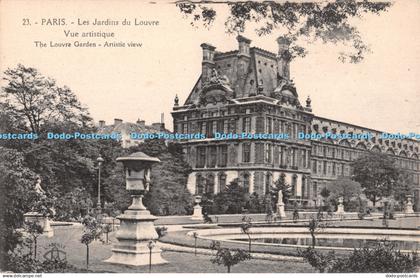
382 257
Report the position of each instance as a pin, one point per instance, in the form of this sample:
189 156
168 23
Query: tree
346 188
382 257
17 198
168 194
36 100
35 230
231 200
298 22
245 228
92 230
285 188
377 174
228 257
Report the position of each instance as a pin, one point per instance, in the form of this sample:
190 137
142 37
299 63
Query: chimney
283 57
208 61
117 122
101 123
243 44
141 123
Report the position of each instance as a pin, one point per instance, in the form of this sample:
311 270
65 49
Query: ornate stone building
249 90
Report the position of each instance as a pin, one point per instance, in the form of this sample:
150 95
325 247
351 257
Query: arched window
210 184
222 181
245 181
199 190
304 191
268 182
294 183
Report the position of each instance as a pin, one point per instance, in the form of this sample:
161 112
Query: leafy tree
383 257
298 22
377 174
34 230
36 100
245 228
286 189
346 188
168 194
92 230
228 257
323 262
17 197
232 199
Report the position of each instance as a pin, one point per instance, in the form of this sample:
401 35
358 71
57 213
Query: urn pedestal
136 230
340 206
198 210
408 206
198 213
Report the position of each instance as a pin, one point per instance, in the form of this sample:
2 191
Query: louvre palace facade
249 91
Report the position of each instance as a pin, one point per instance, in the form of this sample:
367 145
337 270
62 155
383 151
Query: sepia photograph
168 137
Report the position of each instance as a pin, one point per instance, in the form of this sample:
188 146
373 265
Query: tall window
325 167
245 182
269 127
304 159
209 132
294 183
268 182
260 125
185 128
315 189
304 191
222 181
210 184
212 156
246 152
199 185
246 125
223 156
201 157
259 153
268 154
314 166
220 126
203 128
232 125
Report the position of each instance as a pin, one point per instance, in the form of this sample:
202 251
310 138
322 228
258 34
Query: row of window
265 153
263 182
232 125
330 168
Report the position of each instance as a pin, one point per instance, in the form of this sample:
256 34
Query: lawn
178 262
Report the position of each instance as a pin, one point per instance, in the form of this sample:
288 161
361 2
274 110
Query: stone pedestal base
44 222
198 213
408 209
340 209
135 233
140 256
280 211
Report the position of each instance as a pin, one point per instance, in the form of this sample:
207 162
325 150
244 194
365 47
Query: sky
382 92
